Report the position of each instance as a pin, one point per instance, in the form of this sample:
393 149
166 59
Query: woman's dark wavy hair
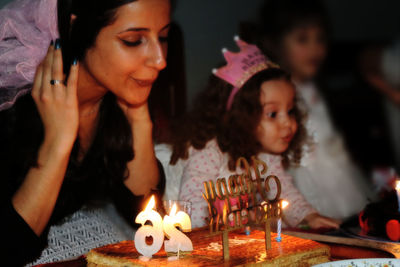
113 143
234 130
91 16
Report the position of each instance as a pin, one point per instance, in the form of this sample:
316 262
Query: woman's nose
156 56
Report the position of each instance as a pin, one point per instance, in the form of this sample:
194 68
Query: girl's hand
56 102
315 221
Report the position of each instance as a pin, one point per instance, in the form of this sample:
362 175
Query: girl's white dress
327 177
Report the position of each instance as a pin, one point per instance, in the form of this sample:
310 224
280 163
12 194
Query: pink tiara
241 66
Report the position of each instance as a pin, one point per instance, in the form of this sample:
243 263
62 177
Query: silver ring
54 82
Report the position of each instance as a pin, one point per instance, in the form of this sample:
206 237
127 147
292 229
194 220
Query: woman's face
303 51
278 124
128 54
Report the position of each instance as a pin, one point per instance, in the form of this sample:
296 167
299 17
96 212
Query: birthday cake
224 242
381 219
245 250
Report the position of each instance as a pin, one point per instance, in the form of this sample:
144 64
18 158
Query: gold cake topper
242 200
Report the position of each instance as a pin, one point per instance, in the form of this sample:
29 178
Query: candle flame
173 210
151 204
284 204
398 185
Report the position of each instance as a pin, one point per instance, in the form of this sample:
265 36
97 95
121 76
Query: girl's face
277 124
128 54
303 51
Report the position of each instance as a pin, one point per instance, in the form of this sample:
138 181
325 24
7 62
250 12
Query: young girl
257 116
295 33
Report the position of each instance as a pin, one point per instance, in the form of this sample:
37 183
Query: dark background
209 25
357 109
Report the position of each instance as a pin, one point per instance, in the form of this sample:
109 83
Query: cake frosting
245 250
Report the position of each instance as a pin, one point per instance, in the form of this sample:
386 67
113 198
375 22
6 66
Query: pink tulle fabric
26 29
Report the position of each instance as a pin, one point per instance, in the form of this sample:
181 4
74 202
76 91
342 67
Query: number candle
155 231
398 193
279 226
177 240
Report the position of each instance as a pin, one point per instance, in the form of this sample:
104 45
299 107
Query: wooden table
352 248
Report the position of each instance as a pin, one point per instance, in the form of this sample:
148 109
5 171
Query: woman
83 138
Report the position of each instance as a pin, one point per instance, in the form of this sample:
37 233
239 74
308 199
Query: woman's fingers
58 111
47 70
57 66
72 83
37 82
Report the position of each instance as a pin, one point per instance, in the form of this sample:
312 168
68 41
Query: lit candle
398 193
279 226
155 231
177 240
279 237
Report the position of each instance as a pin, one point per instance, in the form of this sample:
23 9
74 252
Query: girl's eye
130 43
271 115
291 112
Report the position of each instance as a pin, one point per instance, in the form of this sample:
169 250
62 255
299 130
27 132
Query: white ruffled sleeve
298 207
202 165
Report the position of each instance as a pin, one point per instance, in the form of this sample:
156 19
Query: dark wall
209 25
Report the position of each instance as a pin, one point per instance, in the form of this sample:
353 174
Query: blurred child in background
295 34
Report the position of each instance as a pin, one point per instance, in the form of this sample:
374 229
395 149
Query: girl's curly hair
234 129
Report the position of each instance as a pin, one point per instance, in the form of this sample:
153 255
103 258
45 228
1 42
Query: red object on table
393 230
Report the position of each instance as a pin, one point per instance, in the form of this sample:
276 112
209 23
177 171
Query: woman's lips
143 83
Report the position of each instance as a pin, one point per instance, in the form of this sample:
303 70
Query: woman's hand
143 169
135 113
56 102
315 221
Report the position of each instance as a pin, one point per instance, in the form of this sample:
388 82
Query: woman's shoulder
22 103
9 111
20 136
22 118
